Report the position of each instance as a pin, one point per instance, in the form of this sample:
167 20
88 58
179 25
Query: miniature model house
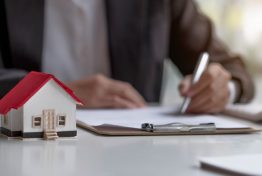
39 106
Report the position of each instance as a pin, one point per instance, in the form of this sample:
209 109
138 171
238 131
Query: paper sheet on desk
156 115
236 164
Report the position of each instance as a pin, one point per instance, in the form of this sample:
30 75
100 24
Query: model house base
9 133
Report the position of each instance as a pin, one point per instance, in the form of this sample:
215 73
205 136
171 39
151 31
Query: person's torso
138 36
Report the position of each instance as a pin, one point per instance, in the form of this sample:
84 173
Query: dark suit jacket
142 33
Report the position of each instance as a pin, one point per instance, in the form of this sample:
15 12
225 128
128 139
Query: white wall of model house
3 120
14 120
50 96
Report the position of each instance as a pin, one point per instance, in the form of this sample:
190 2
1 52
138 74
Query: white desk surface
93 155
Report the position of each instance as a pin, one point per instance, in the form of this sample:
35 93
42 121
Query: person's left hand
211 93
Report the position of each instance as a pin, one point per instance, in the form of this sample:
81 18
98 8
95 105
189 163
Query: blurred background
239 24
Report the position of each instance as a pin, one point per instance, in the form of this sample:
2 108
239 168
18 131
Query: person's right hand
101 92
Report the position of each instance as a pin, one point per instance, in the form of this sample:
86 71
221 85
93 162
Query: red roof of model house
26 88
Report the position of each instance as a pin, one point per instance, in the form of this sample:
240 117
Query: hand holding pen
205 92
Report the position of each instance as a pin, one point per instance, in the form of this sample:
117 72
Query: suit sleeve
9 78
191 33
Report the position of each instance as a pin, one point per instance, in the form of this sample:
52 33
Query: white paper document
238 164
155 115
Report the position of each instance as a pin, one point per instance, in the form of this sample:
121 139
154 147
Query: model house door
49 119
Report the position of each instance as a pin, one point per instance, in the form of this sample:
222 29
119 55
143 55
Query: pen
199 69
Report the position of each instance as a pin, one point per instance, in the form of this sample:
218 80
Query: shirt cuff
233 92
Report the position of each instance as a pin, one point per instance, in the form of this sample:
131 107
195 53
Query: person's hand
101 92
211 93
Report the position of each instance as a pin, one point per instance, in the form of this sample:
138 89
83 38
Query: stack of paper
252 112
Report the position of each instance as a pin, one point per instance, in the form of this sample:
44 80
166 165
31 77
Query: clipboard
129 122
114 130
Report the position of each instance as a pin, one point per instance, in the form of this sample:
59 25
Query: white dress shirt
75 39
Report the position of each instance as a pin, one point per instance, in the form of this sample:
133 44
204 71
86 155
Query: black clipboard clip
179 127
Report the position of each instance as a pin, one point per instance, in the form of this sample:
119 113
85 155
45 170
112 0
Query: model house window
5 119
37 120
61 120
